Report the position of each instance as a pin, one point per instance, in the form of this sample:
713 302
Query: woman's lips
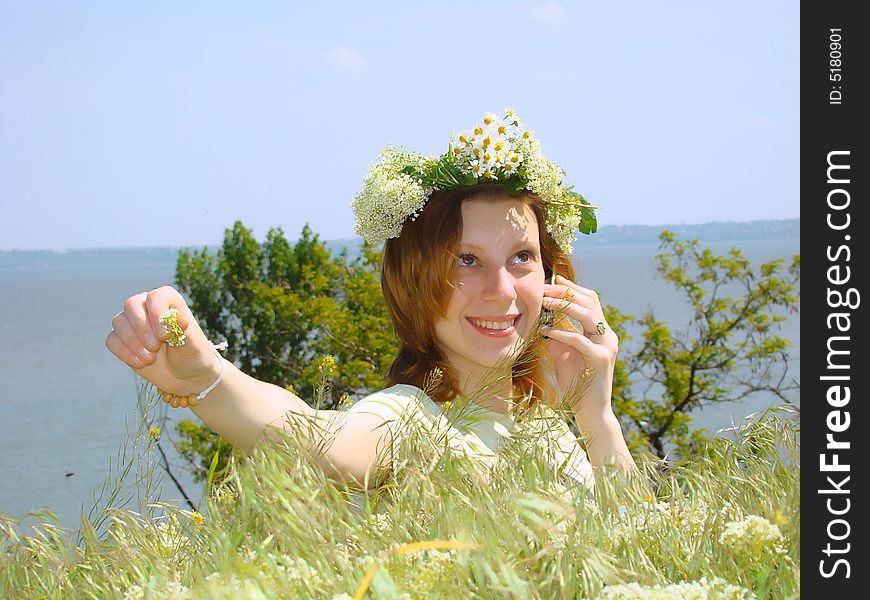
510 330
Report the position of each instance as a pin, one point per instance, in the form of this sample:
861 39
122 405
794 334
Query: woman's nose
499 284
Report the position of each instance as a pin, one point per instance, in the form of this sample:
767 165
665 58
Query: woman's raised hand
138 338
594 348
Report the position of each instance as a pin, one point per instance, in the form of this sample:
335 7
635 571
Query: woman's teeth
493 324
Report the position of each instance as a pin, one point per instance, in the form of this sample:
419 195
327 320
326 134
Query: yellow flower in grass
154 433
197 519
344 401
326 366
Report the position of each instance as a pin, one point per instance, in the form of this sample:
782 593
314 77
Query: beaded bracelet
191 400
176 339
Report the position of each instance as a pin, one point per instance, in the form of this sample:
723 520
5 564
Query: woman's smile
495 326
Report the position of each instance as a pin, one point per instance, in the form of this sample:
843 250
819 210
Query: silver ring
600 329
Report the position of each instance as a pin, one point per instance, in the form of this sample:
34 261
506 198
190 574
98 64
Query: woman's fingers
158 303
136 315
593 353
565 288
117 347
582 304
137 333
587 318
124 327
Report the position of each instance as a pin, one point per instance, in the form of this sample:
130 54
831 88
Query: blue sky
161 123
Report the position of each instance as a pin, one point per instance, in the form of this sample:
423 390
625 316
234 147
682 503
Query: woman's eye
466 260
524 257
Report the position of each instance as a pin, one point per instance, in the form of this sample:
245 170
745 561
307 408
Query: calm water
65 401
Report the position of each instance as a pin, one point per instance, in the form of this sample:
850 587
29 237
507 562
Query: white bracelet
220 377
192 400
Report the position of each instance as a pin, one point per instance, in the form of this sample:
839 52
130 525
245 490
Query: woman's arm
244 411
241 409
584 362
605 443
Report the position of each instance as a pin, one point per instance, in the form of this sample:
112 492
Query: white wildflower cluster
691 516
289 568
705 588
220 586
389 197
423 571
171 540
282 567
171 589
380 524
491 149
753 537
398 186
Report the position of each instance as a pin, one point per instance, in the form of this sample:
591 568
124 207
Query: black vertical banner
835 368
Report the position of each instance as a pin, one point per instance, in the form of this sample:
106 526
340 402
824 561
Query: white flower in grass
753 537
176 591
172 589
220 586
170 539
295 569
422 571
705 588
381 524
134 592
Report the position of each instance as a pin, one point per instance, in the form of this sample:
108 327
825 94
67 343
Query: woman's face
499 285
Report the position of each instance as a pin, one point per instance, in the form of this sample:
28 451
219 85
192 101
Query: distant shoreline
713 231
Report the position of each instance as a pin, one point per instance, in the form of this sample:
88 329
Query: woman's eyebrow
473 246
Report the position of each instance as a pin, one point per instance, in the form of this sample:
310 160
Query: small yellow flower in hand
173 329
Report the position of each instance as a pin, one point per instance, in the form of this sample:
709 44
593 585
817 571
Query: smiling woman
468 239
463 259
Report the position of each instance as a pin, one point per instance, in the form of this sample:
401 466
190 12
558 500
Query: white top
476 431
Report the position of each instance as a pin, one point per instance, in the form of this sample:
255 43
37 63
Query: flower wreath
498 150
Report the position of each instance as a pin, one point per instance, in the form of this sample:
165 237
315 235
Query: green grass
276 527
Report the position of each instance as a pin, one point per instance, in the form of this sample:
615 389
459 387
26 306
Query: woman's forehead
506 220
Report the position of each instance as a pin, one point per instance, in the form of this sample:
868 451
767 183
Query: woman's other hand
573 352
138 338
594 347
